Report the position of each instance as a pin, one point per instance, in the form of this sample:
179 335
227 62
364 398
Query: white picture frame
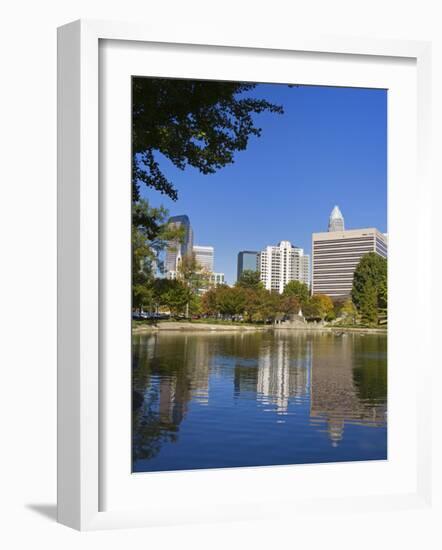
81 471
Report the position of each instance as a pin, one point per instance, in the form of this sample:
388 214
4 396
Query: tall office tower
336 220
335 256
283 263
204 256
247 260
176 250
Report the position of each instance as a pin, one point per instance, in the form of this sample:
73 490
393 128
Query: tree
142 271
369 291
193 276
160 288
383 301
176 296
253 300
319 306
368 304
142 296
191 123
349 312
299 290
150 235
269 306
289 305
196 305
250 279
192 273
209 304
230 300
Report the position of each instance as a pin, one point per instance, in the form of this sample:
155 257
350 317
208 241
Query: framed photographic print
235 222
249 350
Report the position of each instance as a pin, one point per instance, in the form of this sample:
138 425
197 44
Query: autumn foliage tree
349 312
320 306
299 290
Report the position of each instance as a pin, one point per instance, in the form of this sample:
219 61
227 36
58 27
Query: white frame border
78 258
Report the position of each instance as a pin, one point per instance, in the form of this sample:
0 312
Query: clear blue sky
329 147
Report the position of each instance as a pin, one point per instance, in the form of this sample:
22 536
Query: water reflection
284 371
226 399
341 368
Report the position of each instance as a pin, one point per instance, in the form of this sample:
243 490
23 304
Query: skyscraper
177 250
283 263
336 220
204 256
247 260
336 254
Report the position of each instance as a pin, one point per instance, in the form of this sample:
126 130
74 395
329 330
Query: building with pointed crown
336 220
337 252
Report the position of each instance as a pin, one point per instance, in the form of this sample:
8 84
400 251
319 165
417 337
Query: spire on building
336 220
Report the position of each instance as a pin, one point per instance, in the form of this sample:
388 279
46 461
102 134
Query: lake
228 399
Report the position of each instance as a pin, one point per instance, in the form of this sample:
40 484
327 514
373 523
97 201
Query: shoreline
214 327
195 327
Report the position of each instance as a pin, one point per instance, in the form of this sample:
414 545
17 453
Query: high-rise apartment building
283 263
176 250
247 260
204 255
336 254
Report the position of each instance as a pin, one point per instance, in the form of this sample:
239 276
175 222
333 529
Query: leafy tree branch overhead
192 123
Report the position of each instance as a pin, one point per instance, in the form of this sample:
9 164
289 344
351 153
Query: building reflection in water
168 373
337 380
348 383
284 372
344 378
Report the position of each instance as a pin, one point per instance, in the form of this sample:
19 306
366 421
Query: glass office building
247 260
177 250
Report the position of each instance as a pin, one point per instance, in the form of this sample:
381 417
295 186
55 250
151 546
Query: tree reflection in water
349 382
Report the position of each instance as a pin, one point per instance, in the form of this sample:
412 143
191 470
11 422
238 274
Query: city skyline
301 266
328 148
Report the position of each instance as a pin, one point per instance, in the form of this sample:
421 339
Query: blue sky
329 147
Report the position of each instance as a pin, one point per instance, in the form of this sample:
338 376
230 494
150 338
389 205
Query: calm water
213 400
